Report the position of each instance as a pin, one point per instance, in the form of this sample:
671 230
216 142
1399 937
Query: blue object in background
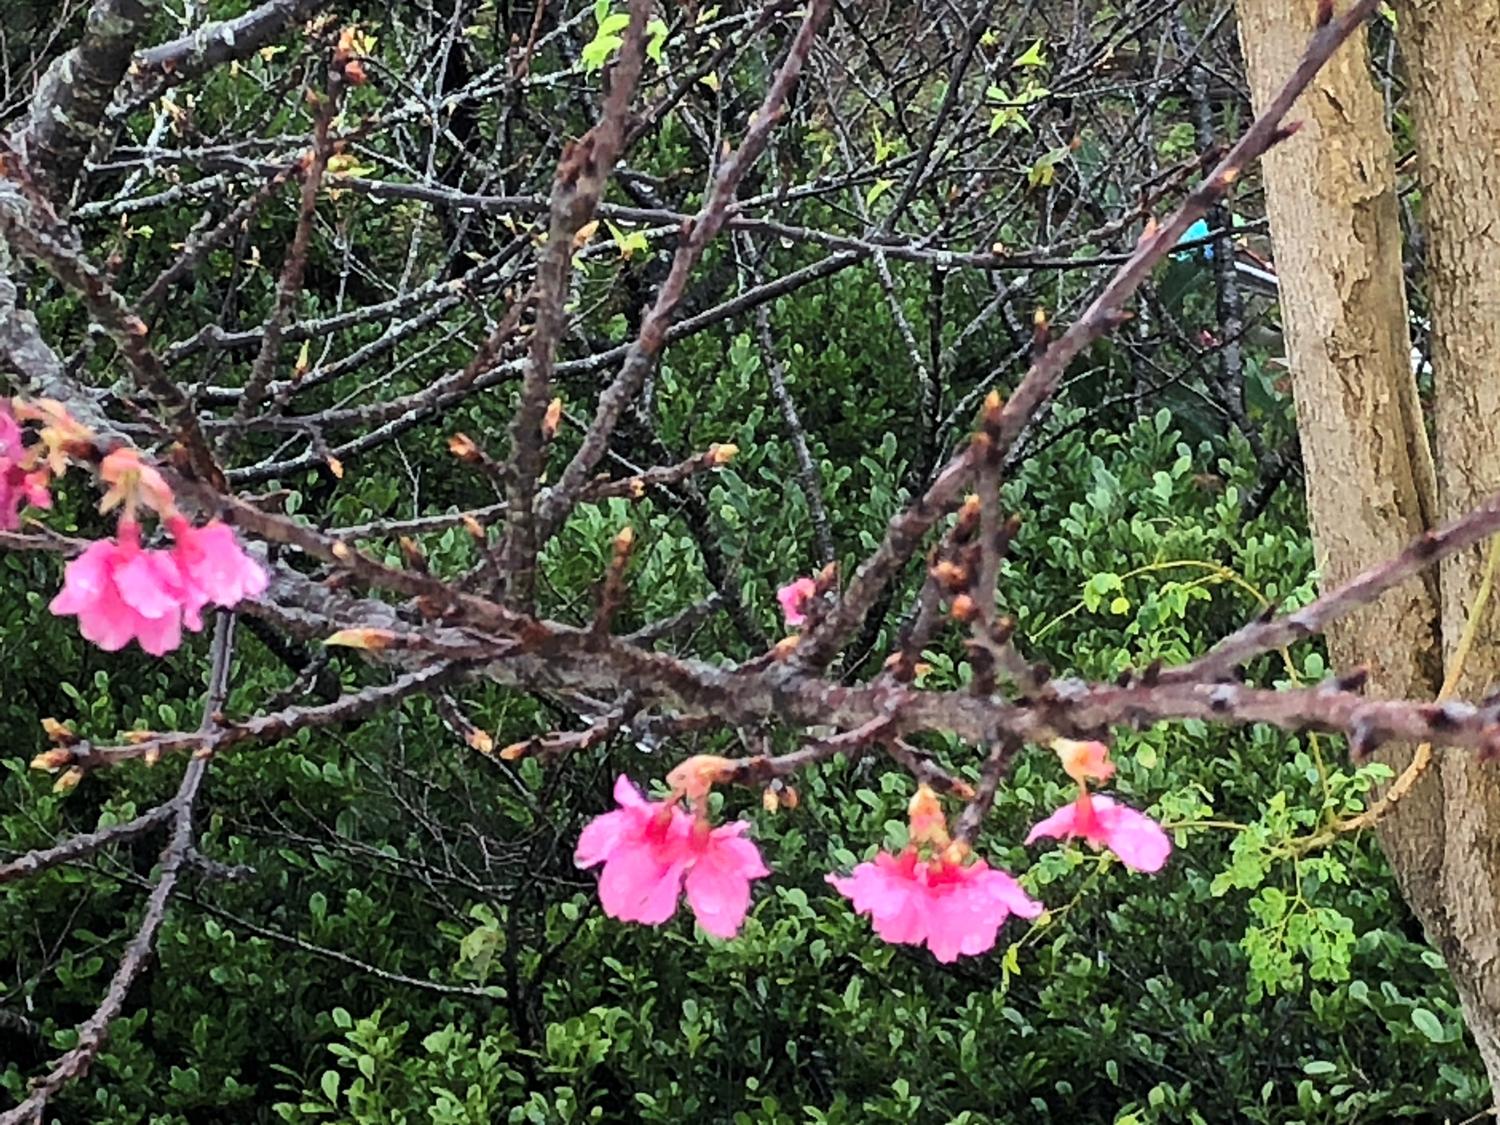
1192 234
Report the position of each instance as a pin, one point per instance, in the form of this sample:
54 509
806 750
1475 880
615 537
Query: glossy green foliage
1245 982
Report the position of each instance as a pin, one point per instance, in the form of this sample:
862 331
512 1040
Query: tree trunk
1330 197
1451 49
1336 232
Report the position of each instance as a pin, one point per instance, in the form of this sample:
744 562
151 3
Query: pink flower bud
794 597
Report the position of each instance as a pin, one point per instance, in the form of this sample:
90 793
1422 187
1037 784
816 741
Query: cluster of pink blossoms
119 590
123 592
932 893
652 849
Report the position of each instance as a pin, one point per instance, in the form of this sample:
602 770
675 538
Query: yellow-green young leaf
1034 56
1044 171
597 52
628 242
657 30
711 80
1119 606
877 189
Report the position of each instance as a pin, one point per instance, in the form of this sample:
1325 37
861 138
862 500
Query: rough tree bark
1452 53
1373 481
72 96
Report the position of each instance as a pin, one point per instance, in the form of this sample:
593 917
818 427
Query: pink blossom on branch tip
794 597
215 565
953 909
1139 841
652 849
121 593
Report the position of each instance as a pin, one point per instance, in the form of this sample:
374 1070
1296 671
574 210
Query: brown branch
1106 311
54 137
197 247
216 43
294 266
1267 635
81 847
54 246
696 235
582 174
635 487
263 728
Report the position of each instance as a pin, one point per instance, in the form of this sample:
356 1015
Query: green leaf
657 30
1428 1024
1034 56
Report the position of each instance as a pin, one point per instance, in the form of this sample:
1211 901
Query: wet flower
1138 840
652 850
952 908
216 567
121 593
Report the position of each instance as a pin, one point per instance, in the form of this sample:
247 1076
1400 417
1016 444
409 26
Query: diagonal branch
1103 314
697 234
216 43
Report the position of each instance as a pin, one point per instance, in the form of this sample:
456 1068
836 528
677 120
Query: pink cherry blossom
18 486
955 910
1133 836
794 597
121 593
216 567
651 848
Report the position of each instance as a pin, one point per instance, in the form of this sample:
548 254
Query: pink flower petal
718 888
84 579
641 885
1060 824
215 565
150 584
1138 840
601 836
1004 889
955 911
627 795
